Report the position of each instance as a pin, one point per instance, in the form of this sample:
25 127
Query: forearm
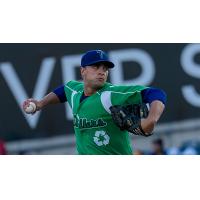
50 98
156 110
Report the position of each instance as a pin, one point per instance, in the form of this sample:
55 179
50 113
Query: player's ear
82 70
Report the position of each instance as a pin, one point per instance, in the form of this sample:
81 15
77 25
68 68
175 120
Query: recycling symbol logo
101 138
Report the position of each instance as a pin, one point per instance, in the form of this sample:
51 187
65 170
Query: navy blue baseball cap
94 57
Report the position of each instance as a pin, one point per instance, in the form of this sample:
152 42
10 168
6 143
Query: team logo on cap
100 54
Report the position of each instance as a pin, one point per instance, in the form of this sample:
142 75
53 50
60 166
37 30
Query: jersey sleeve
71 88
151 94
60 93
122 95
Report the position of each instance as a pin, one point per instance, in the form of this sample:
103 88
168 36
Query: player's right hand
27 102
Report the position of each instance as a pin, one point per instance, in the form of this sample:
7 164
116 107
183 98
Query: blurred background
33 70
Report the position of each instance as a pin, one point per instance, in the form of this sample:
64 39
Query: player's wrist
40 105
148 125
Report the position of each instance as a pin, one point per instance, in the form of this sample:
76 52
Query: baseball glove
129 117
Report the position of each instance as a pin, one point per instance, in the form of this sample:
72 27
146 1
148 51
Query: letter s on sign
192 69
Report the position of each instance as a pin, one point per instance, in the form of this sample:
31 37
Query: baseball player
104 114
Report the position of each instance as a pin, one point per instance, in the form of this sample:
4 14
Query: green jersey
94 128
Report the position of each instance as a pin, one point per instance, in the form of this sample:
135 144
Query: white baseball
30 108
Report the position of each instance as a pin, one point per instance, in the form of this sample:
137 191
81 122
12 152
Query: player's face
95 76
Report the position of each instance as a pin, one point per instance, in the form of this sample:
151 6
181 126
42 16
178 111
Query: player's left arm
157 100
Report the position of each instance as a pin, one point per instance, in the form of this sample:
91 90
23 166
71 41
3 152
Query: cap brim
109 63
